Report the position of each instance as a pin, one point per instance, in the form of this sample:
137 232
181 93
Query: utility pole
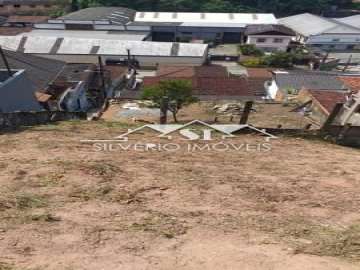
3 56
245 115
164 106
101 69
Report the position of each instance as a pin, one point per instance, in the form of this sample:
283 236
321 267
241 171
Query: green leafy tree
279 60
178 92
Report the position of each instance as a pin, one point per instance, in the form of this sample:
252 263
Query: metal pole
3 56
164 106
247 110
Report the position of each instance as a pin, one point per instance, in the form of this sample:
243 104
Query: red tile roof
328 99
27 19
351 82
210 80
259 73
13 31
211 71
176 71
214 86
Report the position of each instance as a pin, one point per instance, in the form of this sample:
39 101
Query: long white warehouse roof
82 46
210 18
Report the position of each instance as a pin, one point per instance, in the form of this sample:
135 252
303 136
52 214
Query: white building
85 50
324 33
269 37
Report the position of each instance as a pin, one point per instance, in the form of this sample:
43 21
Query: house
287 84
29 75
318 105
77 88
29 7
325 34
211 82
88 50
188 26
269 37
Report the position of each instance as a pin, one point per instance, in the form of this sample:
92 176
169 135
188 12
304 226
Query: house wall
26 8
269 44
222 34
335 42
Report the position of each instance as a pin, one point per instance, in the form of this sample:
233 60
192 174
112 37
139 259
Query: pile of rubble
229 109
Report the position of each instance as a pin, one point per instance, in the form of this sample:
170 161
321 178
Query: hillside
65 206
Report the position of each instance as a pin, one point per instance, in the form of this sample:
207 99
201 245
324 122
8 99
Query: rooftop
209 19
111 35
328 99
13 31
27 19
309 80
269 28
210 81
25 2
352 82
308 24
37 69
352 20
115 15
77 46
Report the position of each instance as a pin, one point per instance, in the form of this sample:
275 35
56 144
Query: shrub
253 62
250 49
279 60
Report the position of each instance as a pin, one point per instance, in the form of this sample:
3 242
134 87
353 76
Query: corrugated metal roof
309 80
38 70
308 24
115 35
114 14
76 46
201 18
352 20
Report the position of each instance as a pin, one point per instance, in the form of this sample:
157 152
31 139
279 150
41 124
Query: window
336 39
350 47
33 6
261 40
17 6
278 40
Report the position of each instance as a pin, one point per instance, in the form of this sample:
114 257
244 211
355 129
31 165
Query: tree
279 60
178 92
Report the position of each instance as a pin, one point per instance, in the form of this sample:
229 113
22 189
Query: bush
279 60
250 49
253 62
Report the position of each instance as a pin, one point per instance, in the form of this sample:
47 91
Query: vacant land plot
65 206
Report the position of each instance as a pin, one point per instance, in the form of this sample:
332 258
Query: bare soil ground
65 206
265 115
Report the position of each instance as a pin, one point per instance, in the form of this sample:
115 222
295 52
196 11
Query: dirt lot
65 206
264 115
